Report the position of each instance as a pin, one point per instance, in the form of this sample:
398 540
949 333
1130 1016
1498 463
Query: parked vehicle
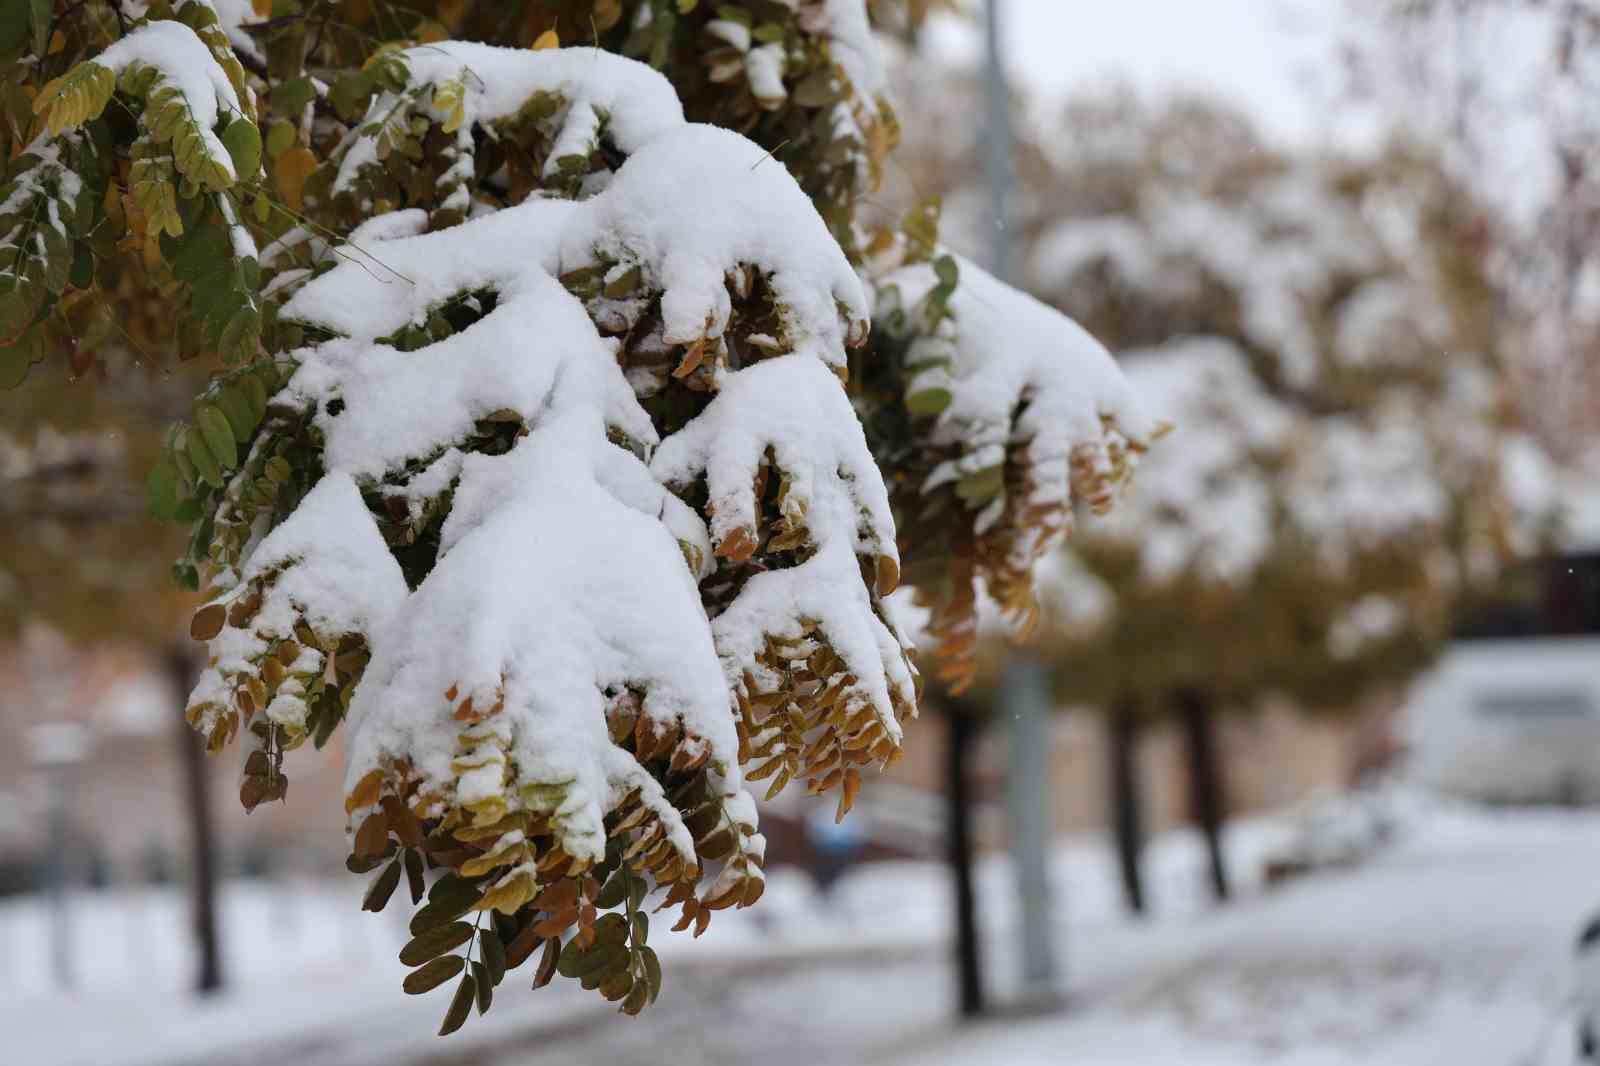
1511 714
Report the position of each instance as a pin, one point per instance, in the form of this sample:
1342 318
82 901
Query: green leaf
928 402
637 999
493 954
255 390
237 339
17 359
237 408
435 942
57 259
587 963
199 257
39 16
242 139
611 929
280 138
378 895
19 303
291 97
624 284
413 859
613 892
82 274
652 971
218 433
205 464
433 974
946 270
14 24
460 1006
161 490
977 489
483 986
451 892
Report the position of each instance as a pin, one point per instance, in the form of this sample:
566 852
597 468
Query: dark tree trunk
202 833
1127 819
962 737
1198 719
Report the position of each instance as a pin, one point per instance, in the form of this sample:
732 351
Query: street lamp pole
1024 688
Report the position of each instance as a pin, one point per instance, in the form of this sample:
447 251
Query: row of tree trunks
183 670
961 740
1127 816
1196 714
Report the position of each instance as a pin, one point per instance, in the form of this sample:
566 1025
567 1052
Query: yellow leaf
547 39
365 794
58 41
290 172
262 8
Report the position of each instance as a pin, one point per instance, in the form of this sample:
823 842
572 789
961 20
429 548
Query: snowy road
1452 947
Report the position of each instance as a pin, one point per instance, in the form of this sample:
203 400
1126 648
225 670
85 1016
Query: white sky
1272 58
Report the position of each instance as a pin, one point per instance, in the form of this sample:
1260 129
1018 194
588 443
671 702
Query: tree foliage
1324 334
524 455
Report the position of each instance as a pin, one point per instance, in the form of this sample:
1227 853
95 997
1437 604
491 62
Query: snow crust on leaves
188 65
325 565
999 346
548 591
560 579
400 406
797 408
673 209
633 102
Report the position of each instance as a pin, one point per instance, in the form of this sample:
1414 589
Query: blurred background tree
1514 123
1328 336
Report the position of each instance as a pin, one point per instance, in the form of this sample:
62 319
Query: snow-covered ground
1452 946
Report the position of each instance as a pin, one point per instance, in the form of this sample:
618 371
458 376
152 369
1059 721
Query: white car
1511 713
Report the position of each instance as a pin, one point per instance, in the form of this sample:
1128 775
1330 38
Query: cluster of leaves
603 907
98 190
777 71
216 474
125 201
508 871
508 841
968 512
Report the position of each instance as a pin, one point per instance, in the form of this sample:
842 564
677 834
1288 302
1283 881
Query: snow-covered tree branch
564 415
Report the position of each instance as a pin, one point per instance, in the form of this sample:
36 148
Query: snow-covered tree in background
1503 92
1323 334
536 453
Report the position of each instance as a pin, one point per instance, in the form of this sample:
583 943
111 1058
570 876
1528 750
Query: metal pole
61 938
1025 703
1025 698
997 142
57 748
